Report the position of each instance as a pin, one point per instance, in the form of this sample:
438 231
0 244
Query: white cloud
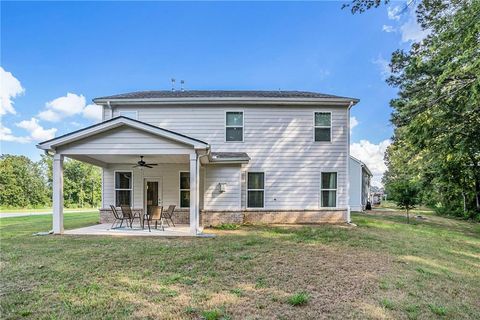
36 131
69 105
388 28
411 30
10 88
93 112
394 13
62 107
372 155
383 65
6 135
353 123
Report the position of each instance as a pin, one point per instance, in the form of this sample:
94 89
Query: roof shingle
162 94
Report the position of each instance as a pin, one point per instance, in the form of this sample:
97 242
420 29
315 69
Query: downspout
111 109
349 220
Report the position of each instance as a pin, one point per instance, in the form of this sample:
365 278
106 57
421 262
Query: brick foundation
213 218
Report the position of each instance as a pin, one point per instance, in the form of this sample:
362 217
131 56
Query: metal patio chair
128 215
118 218
168 215
155 215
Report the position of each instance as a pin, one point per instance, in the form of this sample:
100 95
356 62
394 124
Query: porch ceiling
103 160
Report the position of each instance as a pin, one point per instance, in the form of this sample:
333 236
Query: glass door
153 193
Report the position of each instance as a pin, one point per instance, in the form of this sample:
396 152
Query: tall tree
21 183
437 112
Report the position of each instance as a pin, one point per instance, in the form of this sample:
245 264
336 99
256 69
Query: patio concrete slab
105 229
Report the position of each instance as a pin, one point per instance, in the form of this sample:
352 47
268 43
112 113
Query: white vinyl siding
279 141
228 200
129 114
125 140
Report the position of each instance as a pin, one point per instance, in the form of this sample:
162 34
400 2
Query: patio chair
156 215
118 218
128 215
168 215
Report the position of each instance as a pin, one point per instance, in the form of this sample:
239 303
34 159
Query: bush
227 226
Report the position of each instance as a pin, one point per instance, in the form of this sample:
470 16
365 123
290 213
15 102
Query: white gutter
277 101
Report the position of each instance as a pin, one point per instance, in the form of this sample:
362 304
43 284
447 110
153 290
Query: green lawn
381 269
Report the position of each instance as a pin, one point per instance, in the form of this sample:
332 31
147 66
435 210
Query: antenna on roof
173 84
182 82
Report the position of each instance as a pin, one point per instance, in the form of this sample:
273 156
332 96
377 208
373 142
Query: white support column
57 200
193 194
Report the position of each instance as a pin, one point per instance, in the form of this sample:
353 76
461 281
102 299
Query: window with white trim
184 189
328 190
129 114
234 126
256 190
123 188
323 126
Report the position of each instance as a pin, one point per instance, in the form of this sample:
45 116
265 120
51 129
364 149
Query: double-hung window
123 188
323 126
256 190
328 192
234 126
184 189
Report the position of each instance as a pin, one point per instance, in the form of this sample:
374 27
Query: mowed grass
383 268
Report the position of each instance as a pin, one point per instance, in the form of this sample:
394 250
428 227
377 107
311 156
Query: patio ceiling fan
142 163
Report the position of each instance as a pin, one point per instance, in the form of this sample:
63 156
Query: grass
298 299
40 210
383 268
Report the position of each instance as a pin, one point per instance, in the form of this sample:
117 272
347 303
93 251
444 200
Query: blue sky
94 49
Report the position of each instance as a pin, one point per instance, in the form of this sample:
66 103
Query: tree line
436 115
28 184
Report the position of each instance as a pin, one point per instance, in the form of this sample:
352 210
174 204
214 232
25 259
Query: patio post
193 194
57 199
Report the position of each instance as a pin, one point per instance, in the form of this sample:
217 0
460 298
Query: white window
234 126
123 188
129 114
328 189
256 190
323 126
184 189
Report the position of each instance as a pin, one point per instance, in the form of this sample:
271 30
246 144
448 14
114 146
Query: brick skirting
214 218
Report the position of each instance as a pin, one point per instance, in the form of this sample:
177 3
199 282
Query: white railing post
57 198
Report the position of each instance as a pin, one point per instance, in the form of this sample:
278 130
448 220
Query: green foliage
22 183
436 114
228 226
28 184
405 194
299 299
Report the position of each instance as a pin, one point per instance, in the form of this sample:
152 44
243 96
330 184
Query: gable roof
117 122
223 95
363 165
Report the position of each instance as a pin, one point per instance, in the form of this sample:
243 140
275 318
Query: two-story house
219 156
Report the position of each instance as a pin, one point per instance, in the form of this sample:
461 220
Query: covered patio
116 146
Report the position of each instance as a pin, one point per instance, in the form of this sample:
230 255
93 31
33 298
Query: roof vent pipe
173 84
182 82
